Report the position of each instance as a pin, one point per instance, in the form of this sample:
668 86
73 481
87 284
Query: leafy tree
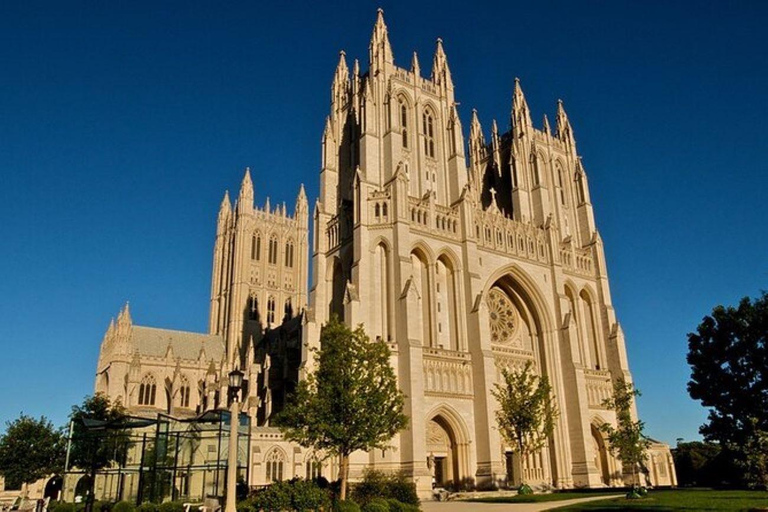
351 402
626 441
97 437
30 449
527 411
728 355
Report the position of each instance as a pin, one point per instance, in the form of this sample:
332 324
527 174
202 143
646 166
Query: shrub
307 495
402 489
273 498
399 506
346 506
103 506
246 505
524 489
375 505
376 484
64 507
147 507
171 506
124 506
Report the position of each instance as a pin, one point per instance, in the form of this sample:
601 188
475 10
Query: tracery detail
502 316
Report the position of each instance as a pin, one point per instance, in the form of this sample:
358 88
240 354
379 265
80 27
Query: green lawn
681 499
538 498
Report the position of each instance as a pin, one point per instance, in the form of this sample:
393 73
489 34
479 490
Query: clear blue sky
122 123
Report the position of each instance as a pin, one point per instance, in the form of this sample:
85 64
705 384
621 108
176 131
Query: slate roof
153 342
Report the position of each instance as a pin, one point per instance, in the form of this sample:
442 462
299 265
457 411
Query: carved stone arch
529 289
429 106
602 458
452 257
380 240
447 433
402 94
425 250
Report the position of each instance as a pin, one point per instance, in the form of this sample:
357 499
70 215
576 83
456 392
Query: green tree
728 355
527 412
98 439
351 402
30 449
626 441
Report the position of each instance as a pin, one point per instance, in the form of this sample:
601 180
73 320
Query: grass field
540 498
681 499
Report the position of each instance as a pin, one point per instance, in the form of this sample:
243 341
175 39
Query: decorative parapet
447 373
599 387
496 232
333 233
433 219
575 260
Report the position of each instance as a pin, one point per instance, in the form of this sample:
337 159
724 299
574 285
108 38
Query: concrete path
468 506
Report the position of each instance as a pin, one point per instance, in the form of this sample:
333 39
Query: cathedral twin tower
464 264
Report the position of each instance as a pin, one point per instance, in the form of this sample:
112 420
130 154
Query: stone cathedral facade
464 256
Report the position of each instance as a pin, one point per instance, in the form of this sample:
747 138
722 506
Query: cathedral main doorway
442 453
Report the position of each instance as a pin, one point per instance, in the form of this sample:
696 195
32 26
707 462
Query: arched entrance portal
53 488
441 447
601 456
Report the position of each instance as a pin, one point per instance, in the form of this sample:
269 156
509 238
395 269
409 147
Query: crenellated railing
576 260
599 387
333 232
447 372
495 232
433 218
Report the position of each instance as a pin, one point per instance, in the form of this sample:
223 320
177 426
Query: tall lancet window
256 247
271 310
429 135
273 250
147 390
561 184
289 254
404 122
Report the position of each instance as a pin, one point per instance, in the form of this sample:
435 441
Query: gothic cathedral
465 257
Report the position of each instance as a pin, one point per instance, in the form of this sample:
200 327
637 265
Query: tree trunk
344 469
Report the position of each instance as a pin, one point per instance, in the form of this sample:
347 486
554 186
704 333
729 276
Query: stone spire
476 139
564 130
340 87
245 199
521 114
441 74
496 145
415 68
379 51
225 212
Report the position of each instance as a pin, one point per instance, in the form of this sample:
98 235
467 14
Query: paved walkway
468 506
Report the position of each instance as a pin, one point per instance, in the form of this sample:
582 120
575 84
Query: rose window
503 316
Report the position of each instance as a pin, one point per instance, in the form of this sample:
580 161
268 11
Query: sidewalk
468 506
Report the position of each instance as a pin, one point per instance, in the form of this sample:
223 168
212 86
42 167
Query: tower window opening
271 310
147 391
273 251
256 247
289 254
429 135
404 123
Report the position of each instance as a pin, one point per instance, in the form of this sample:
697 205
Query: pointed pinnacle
415 68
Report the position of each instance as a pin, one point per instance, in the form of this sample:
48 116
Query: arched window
147 390
314 468
384 209
184 392
377 211
271 310
429 135
273 250
561 184
404 122
256 247
275 462
288 309
253 308
289 254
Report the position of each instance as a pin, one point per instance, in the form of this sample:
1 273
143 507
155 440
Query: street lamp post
235 383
